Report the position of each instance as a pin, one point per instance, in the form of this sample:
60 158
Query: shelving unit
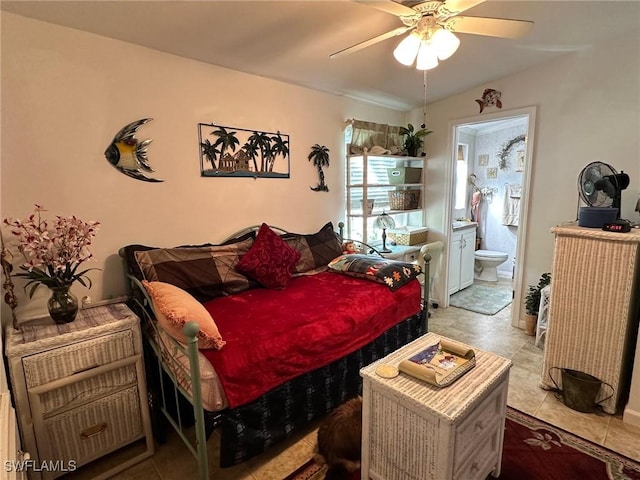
367 179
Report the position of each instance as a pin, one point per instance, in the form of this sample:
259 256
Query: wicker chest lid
450 403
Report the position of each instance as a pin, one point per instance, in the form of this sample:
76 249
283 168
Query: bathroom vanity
461 255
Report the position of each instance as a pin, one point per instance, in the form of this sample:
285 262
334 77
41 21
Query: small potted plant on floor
532 303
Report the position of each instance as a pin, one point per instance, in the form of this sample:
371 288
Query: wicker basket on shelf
404 199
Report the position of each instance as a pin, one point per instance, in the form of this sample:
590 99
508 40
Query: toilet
486 264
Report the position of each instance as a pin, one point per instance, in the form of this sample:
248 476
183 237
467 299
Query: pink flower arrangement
53 250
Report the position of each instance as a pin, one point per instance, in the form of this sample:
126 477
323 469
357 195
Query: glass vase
63 305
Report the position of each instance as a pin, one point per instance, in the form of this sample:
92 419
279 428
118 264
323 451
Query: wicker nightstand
415 431
79 388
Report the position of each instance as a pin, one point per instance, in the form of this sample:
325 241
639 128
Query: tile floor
495 334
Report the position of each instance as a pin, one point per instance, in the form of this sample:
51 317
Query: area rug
535 450
481 299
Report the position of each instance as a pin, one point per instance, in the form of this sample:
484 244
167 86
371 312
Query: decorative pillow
175 307
132 262
270 261
392 273
316 249
204 272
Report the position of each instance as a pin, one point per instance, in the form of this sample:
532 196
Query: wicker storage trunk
412 430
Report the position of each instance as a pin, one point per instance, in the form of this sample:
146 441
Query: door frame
517 319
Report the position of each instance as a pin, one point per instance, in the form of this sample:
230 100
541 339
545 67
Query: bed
283 354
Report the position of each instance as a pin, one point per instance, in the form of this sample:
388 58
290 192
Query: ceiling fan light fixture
407 49
427 56
445 43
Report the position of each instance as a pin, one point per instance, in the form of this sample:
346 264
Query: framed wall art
483 160
236 152
492 173
520 161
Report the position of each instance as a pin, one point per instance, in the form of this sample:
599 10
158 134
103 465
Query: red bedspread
275 335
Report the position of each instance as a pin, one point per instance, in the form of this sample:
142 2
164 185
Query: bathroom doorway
489 172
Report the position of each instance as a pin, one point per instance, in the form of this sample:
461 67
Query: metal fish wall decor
128 155
489 98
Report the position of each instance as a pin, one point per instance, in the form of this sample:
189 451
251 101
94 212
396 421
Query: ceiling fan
428 20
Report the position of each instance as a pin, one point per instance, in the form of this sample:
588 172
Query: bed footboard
169 408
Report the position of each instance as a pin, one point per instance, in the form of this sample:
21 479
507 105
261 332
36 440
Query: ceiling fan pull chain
424 109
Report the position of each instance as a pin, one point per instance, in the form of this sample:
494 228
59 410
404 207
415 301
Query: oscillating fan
600 187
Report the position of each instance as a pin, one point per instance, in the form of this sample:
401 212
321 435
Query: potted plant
413 139
532 303
53 251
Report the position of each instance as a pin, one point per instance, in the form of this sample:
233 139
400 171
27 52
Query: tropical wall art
319 155
129 155
236 152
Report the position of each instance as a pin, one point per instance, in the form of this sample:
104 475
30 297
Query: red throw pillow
270 260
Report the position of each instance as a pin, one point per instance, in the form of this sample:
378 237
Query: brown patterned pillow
316 249
132 263
204 272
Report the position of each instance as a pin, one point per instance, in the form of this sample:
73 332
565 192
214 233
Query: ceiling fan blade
454 7
372 41
389 6
492 27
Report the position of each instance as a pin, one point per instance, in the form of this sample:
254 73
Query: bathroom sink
458 224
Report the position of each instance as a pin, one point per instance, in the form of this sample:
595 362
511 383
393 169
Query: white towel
511 213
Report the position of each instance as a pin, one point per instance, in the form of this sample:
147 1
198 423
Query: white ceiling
291 40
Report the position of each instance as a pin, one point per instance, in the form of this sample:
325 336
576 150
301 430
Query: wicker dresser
415 431
593 310
79 389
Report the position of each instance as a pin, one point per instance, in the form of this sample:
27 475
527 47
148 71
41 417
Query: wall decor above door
236 152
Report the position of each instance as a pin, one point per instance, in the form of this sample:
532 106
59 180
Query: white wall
66 93
588 109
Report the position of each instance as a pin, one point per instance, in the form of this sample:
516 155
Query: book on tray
440 364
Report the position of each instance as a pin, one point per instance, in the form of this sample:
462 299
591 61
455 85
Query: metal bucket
580 390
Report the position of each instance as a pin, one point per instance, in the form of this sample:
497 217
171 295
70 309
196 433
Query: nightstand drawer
92 430
481 461
87 390
62 362
484 418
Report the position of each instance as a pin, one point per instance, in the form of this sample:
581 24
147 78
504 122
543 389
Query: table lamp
383 222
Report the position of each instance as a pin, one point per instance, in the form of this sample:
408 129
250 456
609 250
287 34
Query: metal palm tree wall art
235 152
320 157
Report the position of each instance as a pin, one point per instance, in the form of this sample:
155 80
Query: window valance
371 134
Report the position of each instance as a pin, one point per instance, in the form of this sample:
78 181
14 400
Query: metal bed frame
142 305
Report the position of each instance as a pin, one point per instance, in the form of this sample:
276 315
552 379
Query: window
461 177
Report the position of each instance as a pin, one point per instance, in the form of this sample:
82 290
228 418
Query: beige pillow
175 307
